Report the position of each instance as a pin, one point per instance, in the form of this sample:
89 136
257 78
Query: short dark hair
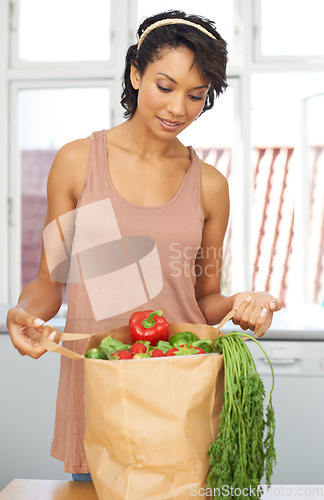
210 55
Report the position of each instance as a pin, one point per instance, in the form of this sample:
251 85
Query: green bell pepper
183 338
205 344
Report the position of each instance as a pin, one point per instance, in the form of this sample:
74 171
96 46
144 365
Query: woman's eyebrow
174 81
168 77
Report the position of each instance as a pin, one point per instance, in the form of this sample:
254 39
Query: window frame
5 202
258 57
16 75
303 209
15 162
16 63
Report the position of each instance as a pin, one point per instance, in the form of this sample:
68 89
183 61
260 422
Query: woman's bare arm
41 298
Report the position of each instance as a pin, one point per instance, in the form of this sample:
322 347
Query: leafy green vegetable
164 346
110 345
182 338
242 454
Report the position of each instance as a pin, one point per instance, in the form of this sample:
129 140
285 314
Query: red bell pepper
148 325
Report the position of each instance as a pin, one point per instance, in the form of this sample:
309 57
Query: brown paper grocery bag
149 422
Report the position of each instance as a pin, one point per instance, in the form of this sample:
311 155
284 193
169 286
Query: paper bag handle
52 346
229 316
224 320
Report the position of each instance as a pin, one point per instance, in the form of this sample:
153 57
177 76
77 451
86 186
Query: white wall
28 390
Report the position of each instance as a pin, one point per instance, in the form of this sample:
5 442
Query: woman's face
171 92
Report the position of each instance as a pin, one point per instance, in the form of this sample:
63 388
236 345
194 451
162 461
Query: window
61 112
288 194
62 72
297 26
313 227
81 30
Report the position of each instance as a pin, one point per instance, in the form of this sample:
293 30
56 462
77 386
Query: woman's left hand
254 309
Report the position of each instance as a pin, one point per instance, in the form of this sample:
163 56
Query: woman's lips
169 124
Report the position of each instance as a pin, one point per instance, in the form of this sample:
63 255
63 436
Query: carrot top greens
244 449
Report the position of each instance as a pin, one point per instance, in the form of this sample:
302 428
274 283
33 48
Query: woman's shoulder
214 190
212 178
69 167
74 151
71 158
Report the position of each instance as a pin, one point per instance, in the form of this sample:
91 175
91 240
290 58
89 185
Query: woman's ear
135 77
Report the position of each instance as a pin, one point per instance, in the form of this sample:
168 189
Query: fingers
28 344
253 317
21 317
262 323
242 313
22 328
44 330
274 305
51 332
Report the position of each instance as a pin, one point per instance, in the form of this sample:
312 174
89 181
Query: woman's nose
176 105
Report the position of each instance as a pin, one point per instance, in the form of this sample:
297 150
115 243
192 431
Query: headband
165 22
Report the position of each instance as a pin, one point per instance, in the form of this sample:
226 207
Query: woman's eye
195 98
163 89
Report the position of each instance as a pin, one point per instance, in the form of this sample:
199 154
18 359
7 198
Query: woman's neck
139 139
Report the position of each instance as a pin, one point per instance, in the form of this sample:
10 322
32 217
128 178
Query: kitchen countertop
31 489
305 323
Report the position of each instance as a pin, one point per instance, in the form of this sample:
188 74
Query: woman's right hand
25 331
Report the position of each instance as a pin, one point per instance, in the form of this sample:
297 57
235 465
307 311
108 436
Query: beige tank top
130 258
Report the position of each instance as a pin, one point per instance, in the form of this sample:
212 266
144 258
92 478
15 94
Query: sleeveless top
129 258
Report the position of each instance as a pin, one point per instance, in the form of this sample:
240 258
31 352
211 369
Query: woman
146 210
